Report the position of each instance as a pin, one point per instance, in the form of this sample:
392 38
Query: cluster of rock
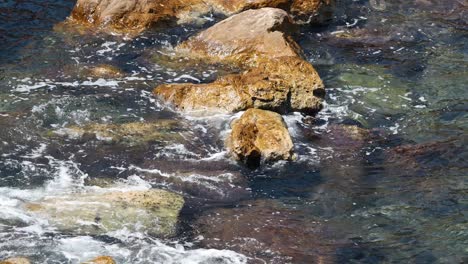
134 16
274 77
270 72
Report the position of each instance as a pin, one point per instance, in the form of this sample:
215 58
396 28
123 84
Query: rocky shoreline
272 78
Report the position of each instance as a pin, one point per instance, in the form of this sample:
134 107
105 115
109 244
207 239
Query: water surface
395 193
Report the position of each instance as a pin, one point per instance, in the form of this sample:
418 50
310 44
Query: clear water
396 195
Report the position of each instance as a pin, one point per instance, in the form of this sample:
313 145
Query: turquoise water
393 193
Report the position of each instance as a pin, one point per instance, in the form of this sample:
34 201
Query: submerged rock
130 133
18 260
268 232
275 76
152 211
101 260
104 71
129 16
260 135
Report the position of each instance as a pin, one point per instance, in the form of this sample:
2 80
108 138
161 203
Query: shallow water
396 194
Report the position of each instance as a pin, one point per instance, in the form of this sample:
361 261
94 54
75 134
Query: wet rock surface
275 77
101 260
18 260
152 211
260 136
128 133
126 16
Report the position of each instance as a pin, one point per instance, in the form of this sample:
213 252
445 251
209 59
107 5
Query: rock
268 232
130 16
211 181
101 260
104 71
252 34
17 260
260 135
275 76
129 133
312 11
153 211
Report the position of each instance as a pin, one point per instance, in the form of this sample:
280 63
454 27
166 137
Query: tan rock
101 260
260 135
17 260
133 16
152 211
275 76
104 71
252 34
130 133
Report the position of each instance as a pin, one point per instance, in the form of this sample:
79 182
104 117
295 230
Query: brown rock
133 16
101 260
312 11
18 260
260 135
275 78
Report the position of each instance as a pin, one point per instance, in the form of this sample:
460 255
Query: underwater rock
125 16
101 260
153 211
275 76
202 182
104 71
268 232
260 136
129 133
18 260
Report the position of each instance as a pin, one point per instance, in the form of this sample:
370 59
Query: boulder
153 211
274 75
260 135
101 260
17 260
134 16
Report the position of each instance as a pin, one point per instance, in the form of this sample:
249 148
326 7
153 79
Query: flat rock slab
258 136
152 211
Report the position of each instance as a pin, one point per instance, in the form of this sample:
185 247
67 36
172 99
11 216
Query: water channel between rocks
380 175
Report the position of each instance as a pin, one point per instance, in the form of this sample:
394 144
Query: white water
32 232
